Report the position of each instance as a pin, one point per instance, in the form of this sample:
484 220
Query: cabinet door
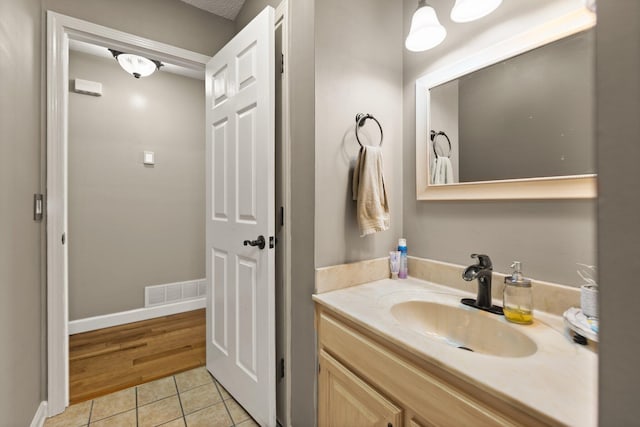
347 401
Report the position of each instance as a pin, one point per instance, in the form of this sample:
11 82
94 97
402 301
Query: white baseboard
123 317
40 416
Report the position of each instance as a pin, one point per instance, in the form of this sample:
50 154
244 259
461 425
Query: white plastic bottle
404 267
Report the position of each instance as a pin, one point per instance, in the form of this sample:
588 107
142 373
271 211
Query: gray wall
22 269
358 70
301 98
618 62
21 310
132 225
549 237
250 10
334 75
167 21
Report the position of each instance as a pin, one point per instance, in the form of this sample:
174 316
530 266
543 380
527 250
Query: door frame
60 29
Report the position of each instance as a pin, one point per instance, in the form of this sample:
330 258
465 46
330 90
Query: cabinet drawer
419 391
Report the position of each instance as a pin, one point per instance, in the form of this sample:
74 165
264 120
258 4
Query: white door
240 88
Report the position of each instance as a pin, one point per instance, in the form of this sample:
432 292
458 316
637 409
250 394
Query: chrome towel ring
361 120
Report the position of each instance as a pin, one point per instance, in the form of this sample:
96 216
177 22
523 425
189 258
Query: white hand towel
369 190
442 172
435 171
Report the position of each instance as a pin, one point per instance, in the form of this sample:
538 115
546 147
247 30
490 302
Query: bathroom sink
465 328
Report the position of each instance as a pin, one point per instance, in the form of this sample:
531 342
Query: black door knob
259 242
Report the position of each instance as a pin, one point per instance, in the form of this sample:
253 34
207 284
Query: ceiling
226 8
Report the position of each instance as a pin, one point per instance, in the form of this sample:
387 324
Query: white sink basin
464 327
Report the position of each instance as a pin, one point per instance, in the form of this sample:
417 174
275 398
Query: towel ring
434 135
361 120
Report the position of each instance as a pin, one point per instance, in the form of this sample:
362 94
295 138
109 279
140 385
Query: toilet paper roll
589 300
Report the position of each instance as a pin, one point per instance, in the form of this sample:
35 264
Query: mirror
515 121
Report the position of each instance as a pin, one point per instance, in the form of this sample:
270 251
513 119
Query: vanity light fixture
470 10
426 32
136 65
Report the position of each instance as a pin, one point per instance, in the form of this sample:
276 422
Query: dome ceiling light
136 65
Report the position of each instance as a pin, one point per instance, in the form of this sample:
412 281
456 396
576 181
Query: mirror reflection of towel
442 172
369 190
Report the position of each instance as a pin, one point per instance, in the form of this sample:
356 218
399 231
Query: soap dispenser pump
517 297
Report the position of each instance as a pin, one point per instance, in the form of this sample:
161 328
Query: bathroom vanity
396 353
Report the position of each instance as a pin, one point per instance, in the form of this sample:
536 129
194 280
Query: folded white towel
442 171
369 190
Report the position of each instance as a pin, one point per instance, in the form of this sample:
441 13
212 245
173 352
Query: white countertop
559 379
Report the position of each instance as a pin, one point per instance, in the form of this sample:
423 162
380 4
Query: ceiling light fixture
136 65
426 31
470 10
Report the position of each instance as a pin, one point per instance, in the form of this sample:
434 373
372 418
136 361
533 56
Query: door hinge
38 207
282 368
282 63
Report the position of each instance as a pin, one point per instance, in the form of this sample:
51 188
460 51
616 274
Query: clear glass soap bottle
517 298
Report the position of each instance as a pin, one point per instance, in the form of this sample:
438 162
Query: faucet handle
483 260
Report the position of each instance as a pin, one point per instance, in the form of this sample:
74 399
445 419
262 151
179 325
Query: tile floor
189 399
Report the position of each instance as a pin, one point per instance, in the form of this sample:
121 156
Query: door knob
259 242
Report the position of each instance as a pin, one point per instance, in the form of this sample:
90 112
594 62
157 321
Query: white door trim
60 29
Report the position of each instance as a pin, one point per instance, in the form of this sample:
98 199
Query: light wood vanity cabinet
346 400
365 381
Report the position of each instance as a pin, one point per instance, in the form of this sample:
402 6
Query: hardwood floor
112 359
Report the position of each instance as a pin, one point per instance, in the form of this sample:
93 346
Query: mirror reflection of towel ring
361 120
435 135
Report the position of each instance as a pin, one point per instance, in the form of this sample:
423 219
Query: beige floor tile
74 416
175 423
248 423
125 419
192 379
159 412
237 412
199 397
156 390
225 394
213 416
112 404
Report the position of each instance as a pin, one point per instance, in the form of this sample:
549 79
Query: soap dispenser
517 297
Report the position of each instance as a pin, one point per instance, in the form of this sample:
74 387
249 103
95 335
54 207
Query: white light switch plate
149 158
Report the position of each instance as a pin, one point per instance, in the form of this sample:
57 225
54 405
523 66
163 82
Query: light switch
149 158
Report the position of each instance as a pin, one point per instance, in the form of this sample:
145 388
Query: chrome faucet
482 271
